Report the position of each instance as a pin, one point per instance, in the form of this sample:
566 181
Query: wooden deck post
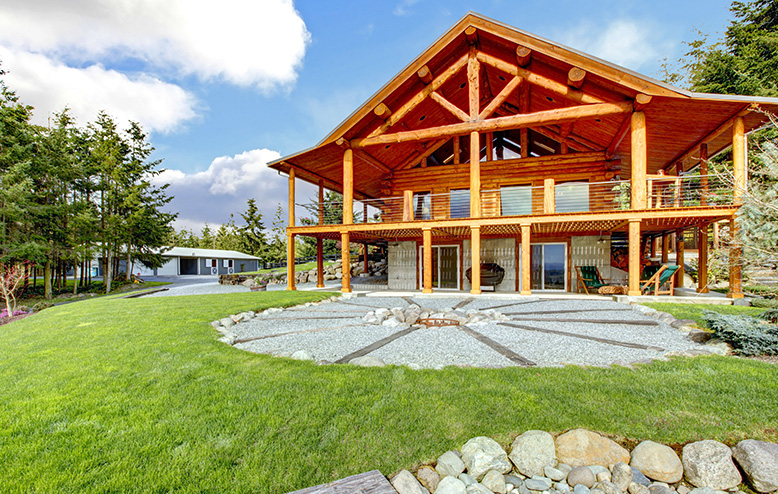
291 197
716 236
427 262
549 196
366 267
290 276
407 205
665 248
639 160
321 202
456 150
634 257
475 265
702 272
526 267
738 159
679 257
348 187
319 263
735 262
704 176
345 255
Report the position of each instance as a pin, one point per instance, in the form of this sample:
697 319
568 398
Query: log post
704 176
345 256
702 271
523 56
490 146
290 275
634 257
575 77
735 262
456 150
475 141
291 197
321 202
427 262
549 196
665 248
475 265
639 160
348 187
738 159
526 267
407 205
319 263
679 257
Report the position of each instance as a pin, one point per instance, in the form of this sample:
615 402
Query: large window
572 197
460 203
516 200
422 206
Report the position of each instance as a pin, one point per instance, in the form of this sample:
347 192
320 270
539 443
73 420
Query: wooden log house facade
495 145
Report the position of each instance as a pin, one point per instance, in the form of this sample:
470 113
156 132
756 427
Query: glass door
445 267
548 267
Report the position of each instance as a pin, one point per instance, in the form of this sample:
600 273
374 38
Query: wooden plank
497 347
372 482
545 117
563 311
588 321
619 136
451 107
376 345
463 303
500 98
583 337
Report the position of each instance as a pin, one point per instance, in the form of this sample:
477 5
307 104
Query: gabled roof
677 119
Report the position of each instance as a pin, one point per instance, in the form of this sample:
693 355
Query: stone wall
402 266
498 250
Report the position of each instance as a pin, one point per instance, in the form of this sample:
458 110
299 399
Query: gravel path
569 333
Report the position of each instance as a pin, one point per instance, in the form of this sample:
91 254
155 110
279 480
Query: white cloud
404 7
627 42
51 86
244 42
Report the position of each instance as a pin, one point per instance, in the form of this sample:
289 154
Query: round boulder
481 454
709 464
759 461
532 451
581 475
657 461
580 448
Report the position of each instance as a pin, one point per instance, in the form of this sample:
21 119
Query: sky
224 87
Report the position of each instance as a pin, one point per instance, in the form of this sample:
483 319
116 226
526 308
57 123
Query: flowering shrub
4 313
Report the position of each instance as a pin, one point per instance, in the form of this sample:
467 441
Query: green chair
664 275
589 278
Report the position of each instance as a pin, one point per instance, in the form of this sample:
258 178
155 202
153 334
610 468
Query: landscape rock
581 447
622 476
537 483
514 479
759 461
682 489
702 490
368 361
478 489
450 485
467 479
227 322
581 476
481 454
553 474
581 489
709 464
532 451
608 487
449 464
494 481
659 488
562 487
603 477
639 478
635 488
302 355
598 469
405 483
657 461
428 477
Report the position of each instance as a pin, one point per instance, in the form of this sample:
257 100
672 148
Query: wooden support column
702 271
735 262
665 248
639 160
489 146
345 255
704 176
290 276
473 67
407 205
456 150
427 262
319 263
738 159
366 268
348 187
291 197
634 257
716 236
679 257
549 196
526 267
321 202
475 265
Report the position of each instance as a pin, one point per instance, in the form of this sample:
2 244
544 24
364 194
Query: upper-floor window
516 200
459 206
422 206
572 197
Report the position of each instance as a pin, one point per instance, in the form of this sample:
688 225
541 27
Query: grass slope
125 395
694 311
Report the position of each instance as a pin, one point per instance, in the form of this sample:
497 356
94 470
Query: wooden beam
738 159
321 202
457 157
634 257
523 56
639 161
348 187
407 205
424 74
345 256
641 101
575 77
291 211
475 264
372 161
539 80
694 148
427 262
421 95
490 146
451 107
619 136
500 98
473 89
567 140
475 175
382 111
343 143
526 265
547 117
416 158
704 176
471 34
333 185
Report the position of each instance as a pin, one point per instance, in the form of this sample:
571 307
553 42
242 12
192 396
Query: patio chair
665 275
589 278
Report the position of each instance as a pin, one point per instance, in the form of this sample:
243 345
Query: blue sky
225 87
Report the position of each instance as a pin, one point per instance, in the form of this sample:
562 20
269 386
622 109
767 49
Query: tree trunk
75 278
47 280
129 265
108 272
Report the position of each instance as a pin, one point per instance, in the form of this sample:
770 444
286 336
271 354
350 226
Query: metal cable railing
688 191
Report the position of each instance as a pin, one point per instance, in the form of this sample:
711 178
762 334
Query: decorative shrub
767 303
747 335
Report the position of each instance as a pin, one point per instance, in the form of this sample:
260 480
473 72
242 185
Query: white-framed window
227 263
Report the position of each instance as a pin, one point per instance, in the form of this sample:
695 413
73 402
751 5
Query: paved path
539 332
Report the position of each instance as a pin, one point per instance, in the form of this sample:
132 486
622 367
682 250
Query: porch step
372 482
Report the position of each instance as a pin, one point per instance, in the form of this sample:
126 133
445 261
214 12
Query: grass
116 394
694 311
34 294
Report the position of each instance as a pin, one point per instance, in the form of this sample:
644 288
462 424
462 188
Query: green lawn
116 395
298 268
694 311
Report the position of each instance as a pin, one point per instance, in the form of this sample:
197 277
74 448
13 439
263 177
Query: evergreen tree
253 239
207 239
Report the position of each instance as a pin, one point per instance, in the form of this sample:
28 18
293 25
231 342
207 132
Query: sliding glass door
445 267
548 267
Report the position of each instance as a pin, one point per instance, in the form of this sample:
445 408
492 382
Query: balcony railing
526 200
